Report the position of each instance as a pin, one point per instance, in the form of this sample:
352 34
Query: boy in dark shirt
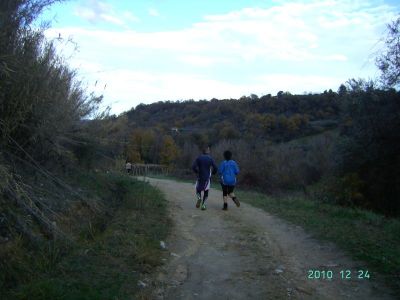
203 166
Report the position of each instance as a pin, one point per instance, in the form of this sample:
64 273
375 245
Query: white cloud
336 57
128 88
111 19
153 12
98 11
290 47
204 61
132 88
129 16
299 83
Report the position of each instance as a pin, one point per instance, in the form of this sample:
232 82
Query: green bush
370 145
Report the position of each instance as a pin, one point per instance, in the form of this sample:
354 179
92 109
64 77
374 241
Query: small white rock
141 284
162 245
174 254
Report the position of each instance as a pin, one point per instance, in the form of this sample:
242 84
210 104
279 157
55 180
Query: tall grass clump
43 112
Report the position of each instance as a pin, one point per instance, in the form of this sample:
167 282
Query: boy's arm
214 167
236 168
221 168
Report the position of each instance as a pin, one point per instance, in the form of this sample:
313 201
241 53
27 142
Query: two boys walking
204 166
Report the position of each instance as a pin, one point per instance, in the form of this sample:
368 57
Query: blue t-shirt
228 170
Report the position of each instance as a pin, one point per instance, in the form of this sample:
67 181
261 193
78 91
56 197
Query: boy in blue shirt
228 169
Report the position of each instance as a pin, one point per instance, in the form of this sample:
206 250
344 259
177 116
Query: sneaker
203 207
236 201
225 206
198 201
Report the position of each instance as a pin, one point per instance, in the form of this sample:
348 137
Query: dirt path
245 253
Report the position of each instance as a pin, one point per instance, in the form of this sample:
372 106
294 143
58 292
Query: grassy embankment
108 255
364 235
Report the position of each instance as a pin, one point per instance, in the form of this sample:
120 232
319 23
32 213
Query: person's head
227 155
206 149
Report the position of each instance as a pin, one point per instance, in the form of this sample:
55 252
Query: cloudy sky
146 51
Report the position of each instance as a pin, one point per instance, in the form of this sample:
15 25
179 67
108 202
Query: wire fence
148 169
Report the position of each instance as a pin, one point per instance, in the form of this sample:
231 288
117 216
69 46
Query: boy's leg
205 196
225 196
198 194
225 207
232 195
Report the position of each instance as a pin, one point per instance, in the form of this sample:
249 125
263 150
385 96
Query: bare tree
389 60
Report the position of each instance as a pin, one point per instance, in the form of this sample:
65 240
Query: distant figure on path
228 169
128 167
203 166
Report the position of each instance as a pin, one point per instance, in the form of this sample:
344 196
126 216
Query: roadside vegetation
108 253
72 226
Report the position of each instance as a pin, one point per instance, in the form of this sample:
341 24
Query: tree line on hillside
278 118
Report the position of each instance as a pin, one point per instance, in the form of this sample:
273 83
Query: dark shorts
202 185
227 189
